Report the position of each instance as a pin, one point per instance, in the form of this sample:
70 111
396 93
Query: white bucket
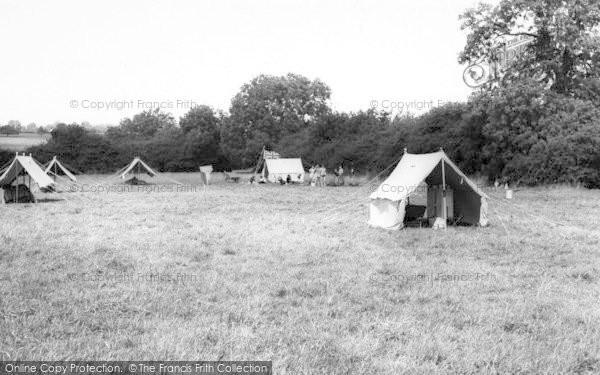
509 194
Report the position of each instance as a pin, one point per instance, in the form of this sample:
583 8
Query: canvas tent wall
136 167
264 156
23 166
55 168
282 168
464 201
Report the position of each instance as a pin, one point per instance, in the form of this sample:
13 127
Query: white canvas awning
206 168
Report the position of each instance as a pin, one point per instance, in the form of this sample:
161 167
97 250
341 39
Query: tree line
536 123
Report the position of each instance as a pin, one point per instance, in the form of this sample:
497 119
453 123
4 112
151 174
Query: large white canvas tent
55 168
464 202
136 167
274 169
22 166
264 156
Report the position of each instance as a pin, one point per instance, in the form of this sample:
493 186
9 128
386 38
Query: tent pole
444 194
29 187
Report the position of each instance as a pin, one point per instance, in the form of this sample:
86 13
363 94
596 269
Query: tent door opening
435 202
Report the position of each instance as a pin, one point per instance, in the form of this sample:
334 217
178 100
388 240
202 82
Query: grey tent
21 167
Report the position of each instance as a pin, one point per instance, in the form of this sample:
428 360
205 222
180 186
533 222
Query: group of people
262 180
318 175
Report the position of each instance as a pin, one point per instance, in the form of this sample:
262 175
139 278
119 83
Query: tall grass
255 272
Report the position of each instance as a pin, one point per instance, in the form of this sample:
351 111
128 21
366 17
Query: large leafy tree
145 124
564 54
16 124
348 138
268 109
535 136
201 126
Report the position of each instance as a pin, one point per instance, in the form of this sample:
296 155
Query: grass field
294 275
22 141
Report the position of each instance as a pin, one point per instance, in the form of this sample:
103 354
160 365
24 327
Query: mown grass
294 275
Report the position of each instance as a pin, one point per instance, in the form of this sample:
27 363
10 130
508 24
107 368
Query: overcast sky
61 56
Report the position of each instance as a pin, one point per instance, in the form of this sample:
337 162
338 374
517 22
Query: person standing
340 175
311 174
323 176
318 175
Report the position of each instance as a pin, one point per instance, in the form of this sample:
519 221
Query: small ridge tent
55 168
22 166
136 167
281 168
450 194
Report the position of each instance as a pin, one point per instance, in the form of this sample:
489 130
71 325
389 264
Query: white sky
54 52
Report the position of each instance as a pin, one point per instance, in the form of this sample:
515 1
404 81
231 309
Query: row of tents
451 196
17 176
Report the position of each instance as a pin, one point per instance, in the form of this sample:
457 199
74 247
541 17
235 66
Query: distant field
294 275
22 141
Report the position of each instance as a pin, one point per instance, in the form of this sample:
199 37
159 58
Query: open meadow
23 141
293 274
